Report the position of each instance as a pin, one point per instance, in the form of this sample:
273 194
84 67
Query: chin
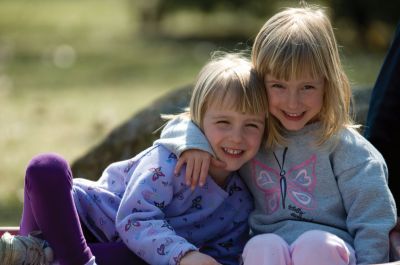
233 168
294 125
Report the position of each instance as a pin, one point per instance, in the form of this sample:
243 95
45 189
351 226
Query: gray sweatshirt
342 190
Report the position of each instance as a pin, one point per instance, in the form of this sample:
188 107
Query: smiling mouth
233 152
293 116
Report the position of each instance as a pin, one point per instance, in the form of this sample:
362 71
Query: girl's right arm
140 220
182 137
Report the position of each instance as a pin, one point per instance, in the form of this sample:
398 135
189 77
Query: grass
72 71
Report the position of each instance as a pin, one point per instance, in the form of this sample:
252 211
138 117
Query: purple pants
49 207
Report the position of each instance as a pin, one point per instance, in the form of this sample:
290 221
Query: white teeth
233 151
293 114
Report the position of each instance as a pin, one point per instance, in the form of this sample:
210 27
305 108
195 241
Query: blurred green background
70 71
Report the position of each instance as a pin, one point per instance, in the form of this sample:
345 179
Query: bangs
296 61
295 49
232 94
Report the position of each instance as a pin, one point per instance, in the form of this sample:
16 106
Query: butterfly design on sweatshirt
161 249
130 224
157 173
297 184
227 244
129 165
234 188
197 203
178 258
171 158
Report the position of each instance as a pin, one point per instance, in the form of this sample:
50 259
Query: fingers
200 170
179 165
204 172
197 166
205 167
189 171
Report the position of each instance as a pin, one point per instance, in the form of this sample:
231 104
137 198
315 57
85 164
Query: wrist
185 255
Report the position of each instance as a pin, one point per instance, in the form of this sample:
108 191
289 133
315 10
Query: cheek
318 102
213 135
254 140
273 98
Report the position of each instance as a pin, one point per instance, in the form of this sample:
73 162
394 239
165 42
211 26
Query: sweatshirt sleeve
181 134
369 204
140 220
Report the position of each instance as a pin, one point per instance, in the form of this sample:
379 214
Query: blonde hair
300 41
230 81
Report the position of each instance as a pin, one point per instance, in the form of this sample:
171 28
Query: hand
395 242
198 258
197 165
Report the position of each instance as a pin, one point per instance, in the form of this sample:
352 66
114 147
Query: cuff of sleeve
179 252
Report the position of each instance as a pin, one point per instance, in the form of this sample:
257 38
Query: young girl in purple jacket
141 203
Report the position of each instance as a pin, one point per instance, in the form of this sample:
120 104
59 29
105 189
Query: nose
293 99
237 135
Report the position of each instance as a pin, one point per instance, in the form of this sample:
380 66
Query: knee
318 238
266 249
48 166
324 244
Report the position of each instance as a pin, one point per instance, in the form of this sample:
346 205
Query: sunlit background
71 71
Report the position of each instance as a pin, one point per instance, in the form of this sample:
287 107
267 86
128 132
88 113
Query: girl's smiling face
295 102
235 137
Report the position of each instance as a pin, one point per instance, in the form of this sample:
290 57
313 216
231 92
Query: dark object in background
383 121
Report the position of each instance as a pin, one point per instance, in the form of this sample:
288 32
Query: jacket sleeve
140 219
181 134
371 209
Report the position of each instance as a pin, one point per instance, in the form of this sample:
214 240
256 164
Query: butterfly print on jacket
299 184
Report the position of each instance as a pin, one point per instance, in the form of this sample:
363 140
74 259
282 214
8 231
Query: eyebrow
273 81
257 120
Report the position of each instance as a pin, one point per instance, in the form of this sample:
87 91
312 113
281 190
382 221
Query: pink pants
312 247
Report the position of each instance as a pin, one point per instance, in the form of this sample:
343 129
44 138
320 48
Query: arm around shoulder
181 134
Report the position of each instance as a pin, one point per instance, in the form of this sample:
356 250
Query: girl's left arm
370 207
183 138
181 134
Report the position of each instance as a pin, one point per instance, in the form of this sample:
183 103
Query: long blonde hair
297 42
